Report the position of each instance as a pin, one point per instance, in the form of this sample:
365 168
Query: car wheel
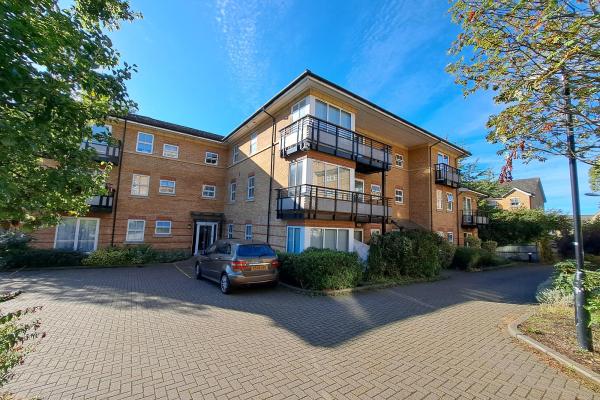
198 271
225 284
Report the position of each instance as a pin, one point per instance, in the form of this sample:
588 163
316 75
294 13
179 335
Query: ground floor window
295 243
78 234
358 235
466 236
450 237
229 231
248 232
334 239
135 230
162 228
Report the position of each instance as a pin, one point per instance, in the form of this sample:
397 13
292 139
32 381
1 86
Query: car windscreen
255 250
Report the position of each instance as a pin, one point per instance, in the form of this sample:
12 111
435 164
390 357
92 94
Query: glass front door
206 234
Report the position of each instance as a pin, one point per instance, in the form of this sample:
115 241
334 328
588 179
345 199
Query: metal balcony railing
318 202
447 175
471 219
104 151
101 203
311 133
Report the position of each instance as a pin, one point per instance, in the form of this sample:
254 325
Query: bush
470 258
473 242
413 253
133 255
39 258
545 251
591 240
554 296
321 269
490 246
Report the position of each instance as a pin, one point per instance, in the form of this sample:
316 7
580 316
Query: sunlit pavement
155 333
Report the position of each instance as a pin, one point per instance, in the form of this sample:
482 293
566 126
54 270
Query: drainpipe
273 133
116 198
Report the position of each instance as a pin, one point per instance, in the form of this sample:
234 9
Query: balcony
101 203
447 175
472 219
104 151
317 202
311 133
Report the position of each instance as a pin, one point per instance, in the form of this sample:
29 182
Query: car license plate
259 267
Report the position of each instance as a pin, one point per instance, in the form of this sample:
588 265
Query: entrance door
359 186
206 234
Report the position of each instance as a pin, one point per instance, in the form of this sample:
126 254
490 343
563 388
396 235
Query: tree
481 180
59 73
541 58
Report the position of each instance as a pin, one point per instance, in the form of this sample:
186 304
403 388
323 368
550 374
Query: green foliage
472 258
473 242
564 274
14 335
594 175
321 269
490 245
522 226
525 51
411 253
133 255
480 180
545 250
591 240
59 74
39 258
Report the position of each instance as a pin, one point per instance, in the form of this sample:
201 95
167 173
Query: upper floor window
253 143
449 201
399 160
296 175
438 199
515 202
443 158
375 189
140 185
166 186
170 150
467 204
399 196
250 194
330 176
211 158
232 190
209 191
145 143
300 109
236 153
333 114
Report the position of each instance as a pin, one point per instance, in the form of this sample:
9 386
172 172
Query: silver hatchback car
233 262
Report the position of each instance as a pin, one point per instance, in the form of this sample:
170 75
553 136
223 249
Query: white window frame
340 109
294 230
449 201
138 142
350 232
401 192
76 238
156 227
518 201
375 192
301 111
214 191
467 200
362 234
251 188
139 186
253 143
229 231
236 154
232 191
439 202
450 237
127 235
165 189
445 158
211 158
399 160
248 232
173 153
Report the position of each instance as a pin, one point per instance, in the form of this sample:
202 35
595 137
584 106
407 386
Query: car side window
224 248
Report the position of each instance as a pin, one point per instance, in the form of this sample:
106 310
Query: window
515 202
438 198
358 235
399 161
375 232
333 114
467 205
248 232
232 189
135 230
145 143
296 175
166 186
162 228
294 239
209 191
211 158
375 190
170 150
334 239
140 185
77 234
250 194
253 143
450 237
330 176
300 109
236 153
449 201
229 231
399 196
443 158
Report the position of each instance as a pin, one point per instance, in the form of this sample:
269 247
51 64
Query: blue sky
209 64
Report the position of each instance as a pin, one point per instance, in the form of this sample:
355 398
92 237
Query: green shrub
466 258
134 255
545 250
321 269
564 273
39 258
413 253
473 242
490 246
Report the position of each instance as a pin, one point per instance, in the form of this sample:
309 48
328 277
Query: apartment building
315 166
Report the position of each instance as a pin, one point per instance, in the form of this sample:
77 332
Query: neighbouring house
521 193
315 166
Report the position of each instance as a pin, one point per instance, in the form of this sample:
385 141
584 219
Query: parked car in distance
233 263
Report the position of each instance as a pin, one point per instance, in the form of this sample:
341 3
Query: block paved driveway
154 333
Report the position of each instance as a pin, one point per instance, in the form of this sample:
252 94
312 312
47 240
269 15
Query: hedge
38 258
321 269
469 258
134 255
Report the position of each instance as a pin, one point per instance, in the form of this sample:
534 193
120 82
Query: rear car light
275 264
238 266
